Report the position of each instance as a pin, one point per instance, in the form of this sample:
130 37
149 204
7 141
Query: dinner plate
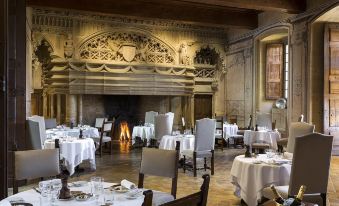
132 197
79 183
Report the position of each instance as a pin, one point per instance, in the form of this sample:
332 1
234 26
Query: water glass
270 153
96 186
56 186
45 188
108 197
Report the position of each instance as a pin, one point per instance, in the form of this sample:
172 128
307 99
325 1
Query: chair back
264 120
196 199
311 163
205 134
297 129
42 127
50 123
31 164
149 117
107 126
35 141
99 122
219 125
163 125
161 163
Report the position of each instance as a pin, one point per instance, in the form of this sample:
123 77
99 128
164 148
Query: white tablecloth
75 132
145 132
74 152
168 142
31 196
250 179
230 129
269 137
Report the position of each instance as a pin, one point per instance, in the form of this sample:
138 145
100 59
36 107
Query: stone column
58 105
192 111
44 104
176 109
71 108
51 107
79 108
29 84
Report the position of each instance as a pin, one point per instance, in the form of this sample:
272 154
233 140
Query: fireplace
125 134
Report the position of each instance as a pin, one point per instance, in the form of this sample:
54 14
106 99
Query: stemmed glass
96 187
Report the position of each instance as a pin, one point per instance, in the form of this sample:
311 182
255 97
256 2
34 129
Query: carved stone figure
183 54
68 47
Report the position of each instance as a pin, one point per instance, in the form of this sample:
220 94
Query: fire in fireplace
125 134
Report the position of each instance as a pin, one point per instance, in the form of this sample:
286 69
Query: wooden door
202 106
331 83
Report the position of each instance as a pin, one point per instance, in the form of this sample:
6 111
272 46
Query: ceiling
225 13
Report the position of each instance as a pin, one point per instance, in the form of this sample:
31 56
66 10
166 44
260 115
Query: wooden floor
124 164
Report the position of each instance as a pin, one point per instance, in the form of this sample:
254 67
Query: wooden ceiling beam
162 10
289 6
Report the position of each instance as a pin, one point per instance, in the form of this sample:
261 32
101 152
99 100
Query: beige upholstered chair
31 164
264 120
162 163
99 122
195 199
171 114
310 167
203 145
105 136
163 126
149 117
50 123
297 129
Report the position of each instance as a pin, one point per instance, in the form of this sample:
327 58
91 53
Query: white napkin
5 203
128 184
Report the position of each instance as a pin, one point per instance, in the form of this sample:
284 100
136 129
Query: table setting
250 175
61 130
168 142
93 192
263 135
143 131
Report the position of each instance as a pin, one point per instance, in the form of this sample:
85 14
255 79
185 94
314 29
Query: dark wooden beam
289 6
180 11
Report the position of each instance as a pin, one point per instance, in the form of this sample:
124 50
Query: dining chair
32 164
99 122
161 163
148 198
297 129
203 145
219 132
50 123
171 114
310 167
105 136
163 126
149 117
195 199
264 120
36 132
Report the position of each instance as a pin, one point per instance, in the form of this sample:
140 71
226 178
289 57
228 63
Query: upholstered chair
203 145
149 117
50 123
195 199
163 126
36 131
99 122
171 114
161 163
310 167
264 120
297 129
105 136
32 164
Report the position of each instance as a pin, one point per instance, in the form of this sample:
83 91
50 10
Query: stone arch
129 45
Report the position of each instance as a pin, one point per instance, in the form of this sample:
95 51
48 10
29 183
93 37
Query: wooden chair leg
205 165
323 196
194 164
100 150
15 187
212 163
110 146
184 164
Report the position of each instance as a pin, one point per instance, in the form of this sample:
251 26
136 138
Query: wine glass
96 187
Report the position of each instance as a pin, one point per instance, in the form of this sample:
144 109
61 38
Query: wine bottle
299 197
277 196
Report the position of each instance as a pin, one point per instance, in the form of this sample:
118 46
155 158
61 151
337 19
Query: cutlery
37 190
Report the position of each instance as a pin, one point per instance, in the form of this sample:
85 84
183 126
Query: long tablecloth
31 196
144 132
250 178
269 137
168 142
75 132
75 151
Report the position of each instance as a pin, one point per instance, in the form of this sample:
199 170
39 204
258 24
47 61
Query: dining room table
251 175
262 136
168 142
144 132
62 131
33 197
74 151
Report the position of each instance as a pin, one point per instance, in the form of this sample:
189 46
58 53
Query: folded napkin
128 184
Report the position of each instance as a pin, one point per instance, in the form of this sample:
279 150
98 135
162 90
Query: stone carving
127 47
206 56
68 47
183 55
205 72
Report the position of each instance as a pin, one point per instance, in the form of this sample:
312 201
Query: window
286 72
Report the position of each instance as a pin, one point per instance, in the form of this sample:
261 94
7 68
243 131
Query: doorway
202 106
